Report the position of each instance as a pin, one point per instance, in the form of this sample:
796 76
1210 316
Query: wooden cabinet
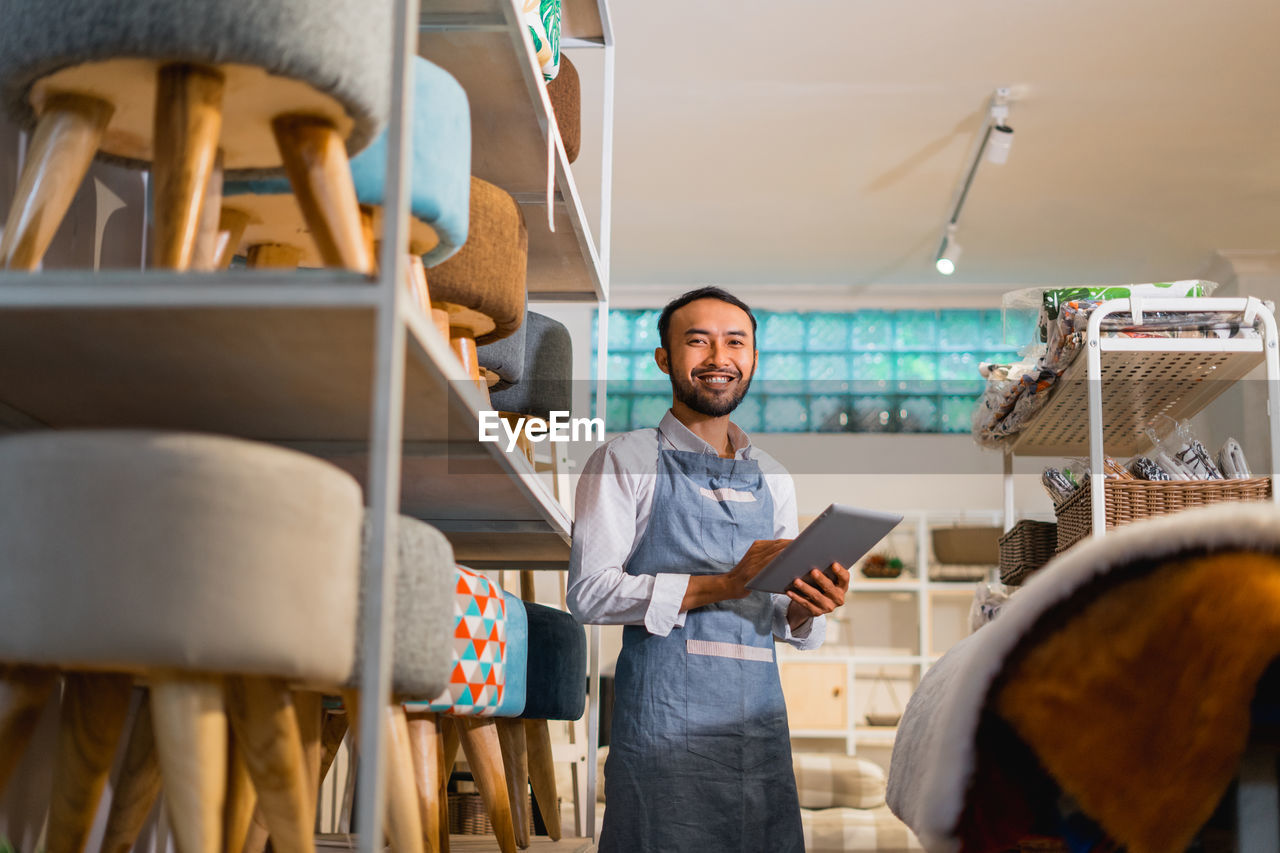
817 695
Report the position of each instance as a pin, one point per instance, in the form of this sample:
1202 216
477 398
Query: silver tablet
841 534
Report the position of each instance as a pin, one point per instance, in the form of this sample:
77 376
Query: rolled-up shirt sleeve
600 591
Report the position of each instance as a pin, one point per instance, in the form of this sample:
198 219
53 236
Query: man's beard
705 402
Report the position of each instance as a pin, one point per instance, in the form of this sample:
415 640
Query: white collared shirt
612 506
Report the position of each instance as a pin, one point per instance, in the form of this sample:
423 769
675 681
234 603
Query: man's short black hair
664 321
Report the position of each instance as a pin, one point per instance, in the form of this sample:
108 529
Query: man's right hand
708 589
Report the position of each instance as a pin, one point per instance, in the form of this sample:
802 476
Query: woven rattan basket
467 815
1025 548
1134 500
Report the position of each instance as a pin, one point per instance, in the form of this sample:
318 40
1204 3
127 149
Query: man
671 524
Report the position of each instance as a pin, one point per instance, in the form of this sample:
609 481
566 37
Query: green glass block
918 414
916 372
780 373
872 330
644 330
781 332
619 369
620 323
914 330
960 330
647 410
871 414
786 413
872 371
617 417
828 374
644 368
958 372
749 413
828 332
828 413
993 332
955 414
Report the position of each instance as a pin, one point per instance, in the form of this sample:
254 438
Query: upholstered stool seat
556 686
440 182
190 89
565 92
502 362
545 385
194 563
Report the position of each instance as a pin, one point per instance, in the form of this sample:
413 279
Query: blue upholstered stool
257 85
261 214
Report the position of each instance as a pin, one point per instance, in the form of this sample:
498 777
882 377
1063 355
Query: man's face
712 356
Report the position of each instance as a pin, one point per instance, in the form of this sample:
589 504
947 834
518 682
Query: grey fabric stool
502 362
199 565
179 85
546 383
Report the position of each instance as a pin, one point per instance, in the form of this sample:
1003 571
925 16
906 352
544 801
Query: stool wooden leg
273 256
23 693
310 708
231 226
94 709
315 159
331 736
515 763
65 140
188 122
137 786
451 743
266 727
256 839
542 774
237 814
208 229
426 740
479 737
404 818
190 721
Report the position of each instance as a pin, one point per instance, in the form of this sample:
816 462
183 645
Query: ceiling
820 142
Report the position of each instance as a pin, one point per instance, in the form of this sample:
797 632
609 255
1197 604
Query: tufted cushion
557 688
515 694
566 99
488 274
323 46
423 632
129 551
505 357
826 781
440 182
546 385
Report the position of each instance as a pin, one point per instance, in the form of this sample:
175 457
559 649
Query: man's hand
708 589
821 592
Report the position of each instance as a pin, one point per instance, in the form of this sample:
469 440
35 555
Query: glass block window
860 371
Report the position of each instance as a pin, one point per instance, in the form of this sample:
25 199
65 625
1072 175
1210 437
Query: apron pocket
714 701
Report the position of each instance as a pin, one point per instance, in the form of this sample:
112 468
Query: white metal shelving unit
339 364
1177 377
846 656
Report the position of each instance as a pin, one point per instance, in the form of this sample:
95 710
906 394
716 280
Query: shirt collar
682 438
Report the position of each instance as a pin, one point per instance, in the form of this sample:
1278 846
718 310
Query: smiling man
671 524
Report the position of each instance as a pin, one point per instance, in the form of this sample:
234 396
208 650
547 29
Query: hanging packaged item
1231 461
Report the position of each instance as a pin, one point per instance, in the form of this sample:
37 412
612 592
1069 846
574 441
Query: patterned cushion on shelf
828 780
543 18
478 679
847 830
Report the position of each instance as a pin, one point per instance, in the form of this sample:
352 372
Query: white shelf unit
812 680
340 364
1177 377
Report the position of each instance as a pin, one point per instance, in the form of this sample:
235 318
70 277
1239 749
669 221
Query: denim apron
699 754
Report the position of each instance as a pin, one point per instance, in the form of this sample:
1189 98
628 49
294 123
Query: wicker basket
467 815
1134 500
1025 548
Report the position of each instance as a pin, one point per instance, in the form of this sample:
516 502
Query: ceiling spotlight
1000 135
948 252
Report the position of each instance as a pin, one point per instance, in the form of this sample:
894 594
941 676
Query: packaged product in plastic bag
1231 461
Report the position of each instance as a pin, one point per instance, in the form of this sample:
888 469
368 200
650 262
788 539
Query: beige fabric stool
202 566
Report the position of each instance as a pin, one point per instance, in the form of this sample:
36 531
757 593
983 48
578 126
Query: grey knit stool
200 566
183 85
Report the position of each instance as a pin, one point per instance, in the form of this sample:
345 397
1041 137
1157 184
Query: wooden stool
202 566
478 295
265 223
174 86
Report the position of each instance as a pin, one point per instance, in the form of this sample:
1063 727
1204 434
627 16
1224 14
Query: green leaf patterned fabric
543 19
